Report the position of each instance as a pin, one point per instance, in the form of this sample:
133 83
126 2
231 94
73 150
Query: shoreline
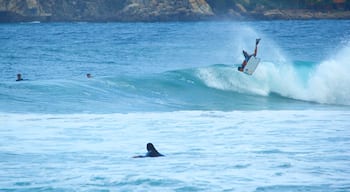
268 15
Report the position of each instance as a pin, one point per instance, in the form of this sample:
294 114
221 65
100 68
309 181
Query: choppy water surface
176 85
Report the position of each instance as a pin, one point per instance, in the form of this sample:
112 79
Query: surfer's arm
148 154
138 156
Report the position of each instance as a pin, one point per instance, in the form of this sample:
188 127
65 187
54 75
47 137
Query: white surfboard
252 63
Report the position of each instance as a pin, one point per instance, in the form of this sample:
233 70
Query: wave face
173 66
216 87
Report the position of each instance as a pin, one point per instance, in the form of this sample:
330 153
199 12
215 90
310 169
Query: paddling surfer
151 152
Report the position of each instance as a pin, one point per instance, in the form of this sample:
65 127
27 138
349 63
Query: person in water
247 56
19 77
88 75
151 152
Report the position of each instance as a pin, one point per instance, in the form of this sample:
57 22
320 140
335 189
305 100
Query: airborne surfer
247 56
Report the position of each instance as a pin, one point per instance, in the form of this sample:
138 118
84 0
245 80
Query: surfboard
252 64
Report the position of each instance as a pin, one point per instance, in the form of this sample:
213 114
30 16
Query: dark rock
103 10
159 10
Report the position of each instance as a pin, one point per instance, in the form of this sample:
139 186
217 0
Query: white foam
329 83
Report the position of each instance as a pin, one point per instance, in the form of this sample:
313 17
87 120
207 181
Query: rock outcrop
103 10
164 10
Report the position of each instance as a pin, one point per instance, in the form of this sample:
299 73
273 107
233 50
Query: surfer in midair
151 152
247 56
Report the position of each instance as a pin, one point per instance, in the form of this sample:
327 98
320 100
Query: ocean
176 85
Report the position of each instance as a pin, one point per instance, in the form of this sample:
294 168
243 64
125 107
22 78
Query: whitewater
285 128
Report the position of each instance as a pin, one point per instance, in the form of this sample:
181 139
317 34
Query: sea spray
330 83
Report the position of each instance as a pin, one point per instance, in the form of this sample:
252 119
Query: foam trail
326 83
330 83
228 79
268 74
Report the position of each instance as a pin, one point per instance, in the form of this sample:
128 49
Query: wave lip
330 81
326 82
299 85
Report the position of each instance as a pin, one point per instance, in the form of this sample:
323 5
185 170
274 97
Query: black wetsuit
151 152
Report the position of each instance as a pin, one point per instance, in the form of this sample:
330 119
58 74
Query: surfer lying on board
247 56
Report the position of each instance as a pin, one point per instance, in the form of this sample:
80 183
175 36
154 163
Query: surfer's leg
244 63
256 50
257 41
256 46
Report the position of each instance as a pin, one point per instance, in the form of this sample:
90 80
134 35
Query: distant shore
162 11
300 14
274 14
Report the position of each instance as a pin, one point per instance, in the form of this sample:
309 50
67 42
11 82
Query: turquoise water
175 84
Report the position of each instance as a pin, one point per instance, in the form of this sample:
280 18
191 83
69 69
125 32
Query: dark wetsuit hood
152 151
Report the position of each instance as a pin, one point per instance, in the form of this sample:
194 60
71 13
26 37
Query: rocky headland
163 10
